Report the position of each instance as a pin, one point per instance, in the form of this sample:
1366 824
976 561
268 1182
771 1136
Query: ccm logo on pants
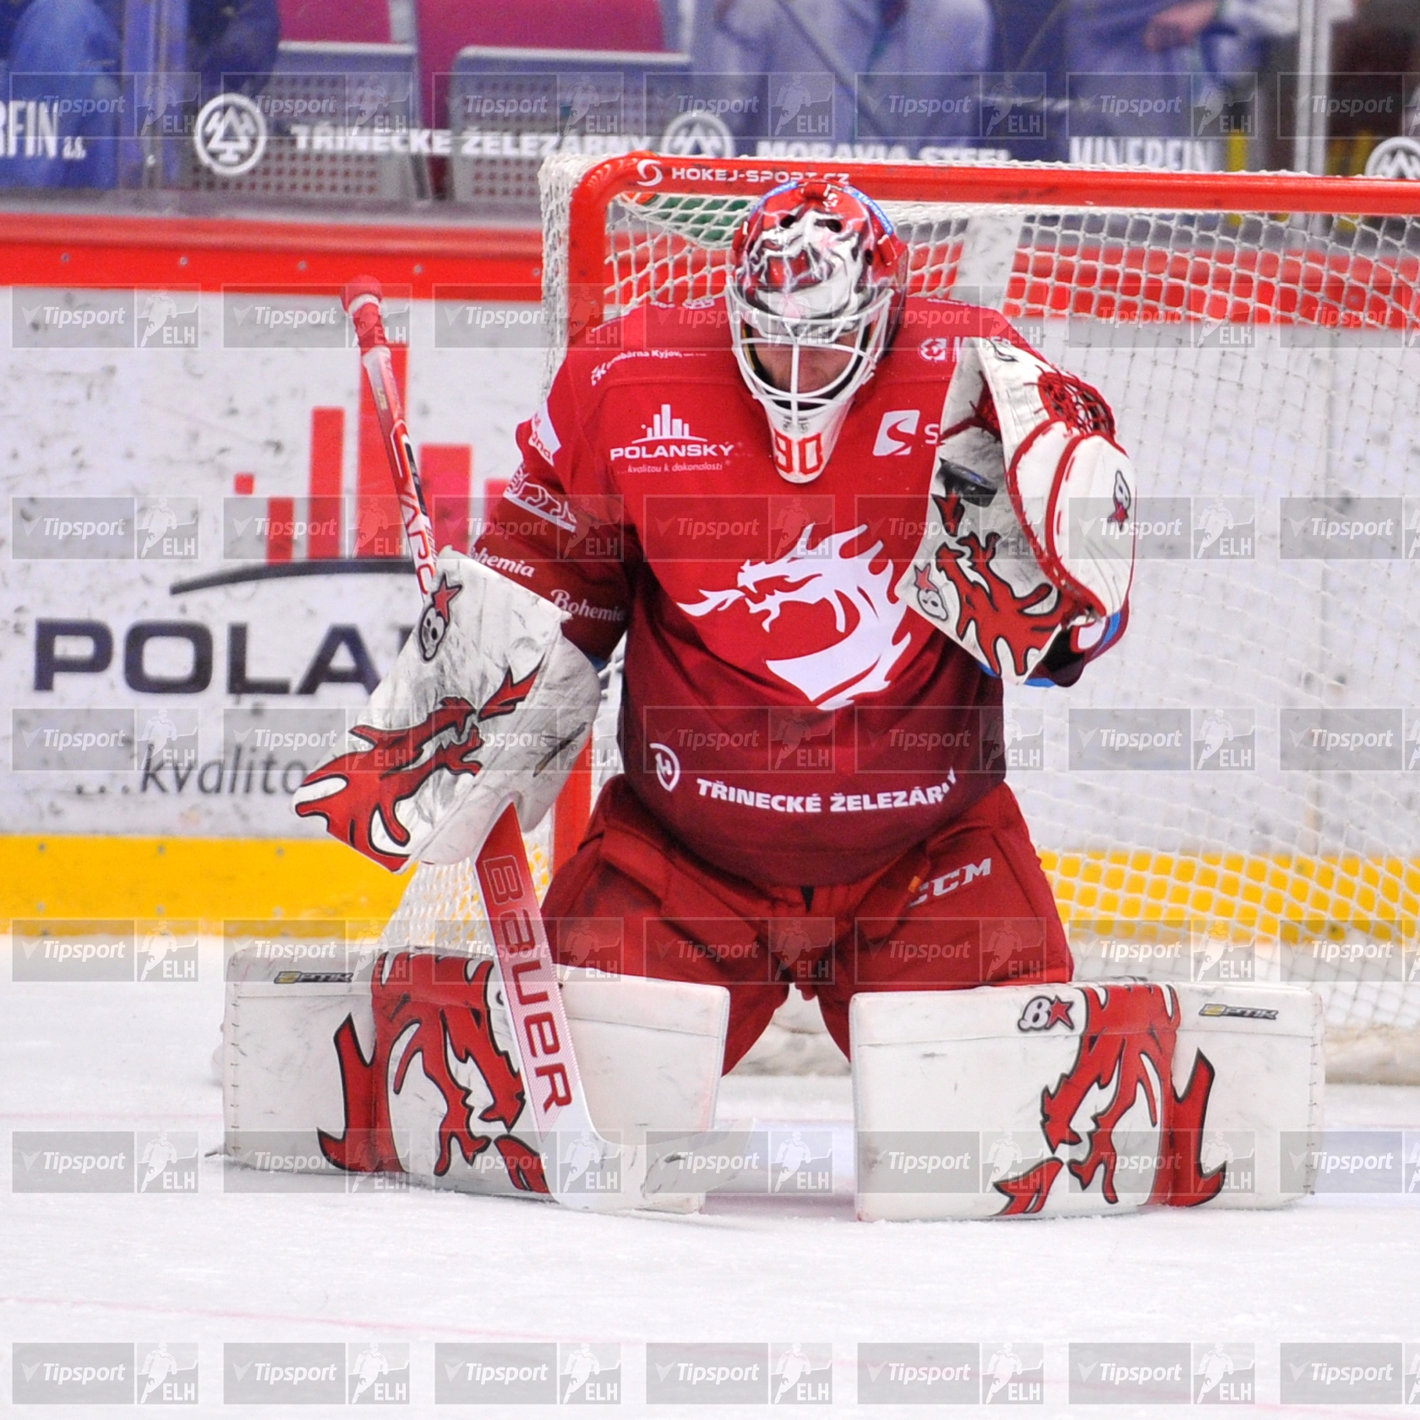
949 882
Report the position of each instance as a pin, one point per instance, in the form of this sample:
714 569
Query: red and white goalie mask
816 289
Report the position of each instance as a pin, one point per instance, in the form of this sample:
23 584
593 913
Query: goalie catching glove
487 704
1030 525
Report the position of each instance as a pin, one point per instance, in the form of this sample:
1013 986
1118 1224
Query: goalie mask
816 290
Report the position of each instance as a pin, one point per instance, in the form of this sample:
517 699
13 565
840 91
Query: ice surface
414 1267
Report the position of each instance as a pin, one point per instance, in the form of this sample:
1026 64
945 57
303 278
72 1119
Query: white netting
1254 361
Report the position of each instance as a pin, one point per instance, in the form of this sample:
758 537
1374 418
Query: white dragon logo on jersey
865 610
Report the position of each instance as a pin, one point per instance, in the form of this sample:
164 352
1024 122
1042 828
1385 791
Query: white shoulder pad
1084 1098
488 703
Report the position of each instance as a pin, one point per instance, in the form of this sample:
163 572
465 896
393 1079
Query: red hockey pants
969 906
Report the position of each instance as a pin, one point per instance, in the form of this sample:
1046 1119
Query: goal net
1233 794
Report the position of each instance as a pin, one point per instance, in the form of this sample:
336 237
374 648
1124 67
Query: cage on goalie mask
815 265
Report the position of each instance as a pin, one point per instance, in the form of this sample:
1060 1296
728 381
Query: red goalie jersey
786 715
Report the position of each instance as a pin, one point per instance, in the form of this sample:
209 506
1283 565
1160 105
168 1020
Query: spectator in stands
1166 70
812 48
72 49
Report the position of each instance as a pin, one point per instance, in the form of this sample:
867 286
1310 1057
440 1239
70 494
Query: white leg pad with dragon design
1084 1098
404 1066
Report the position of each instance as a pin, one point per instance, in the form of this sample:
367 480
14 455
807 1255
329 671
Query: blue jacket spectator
66 53
815 49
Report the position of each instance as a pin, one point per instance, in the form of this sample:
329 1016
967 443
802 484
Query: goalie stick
542 1039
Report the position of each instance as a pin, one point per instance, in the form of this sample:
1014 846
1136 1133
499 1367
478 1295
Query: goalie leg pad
1071 1099
406 1066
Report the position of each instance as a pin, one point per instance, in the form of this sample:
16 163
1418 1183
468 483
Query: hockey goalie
831 522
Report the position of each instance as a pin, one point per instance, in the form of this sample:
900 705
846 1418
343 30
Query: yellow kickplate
202 879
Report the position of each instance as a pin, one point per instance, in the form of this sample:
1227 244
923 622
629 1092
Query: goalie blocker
487 703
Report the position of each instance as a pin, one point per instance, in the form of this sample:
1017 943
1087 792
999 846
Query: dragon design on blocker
397 764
